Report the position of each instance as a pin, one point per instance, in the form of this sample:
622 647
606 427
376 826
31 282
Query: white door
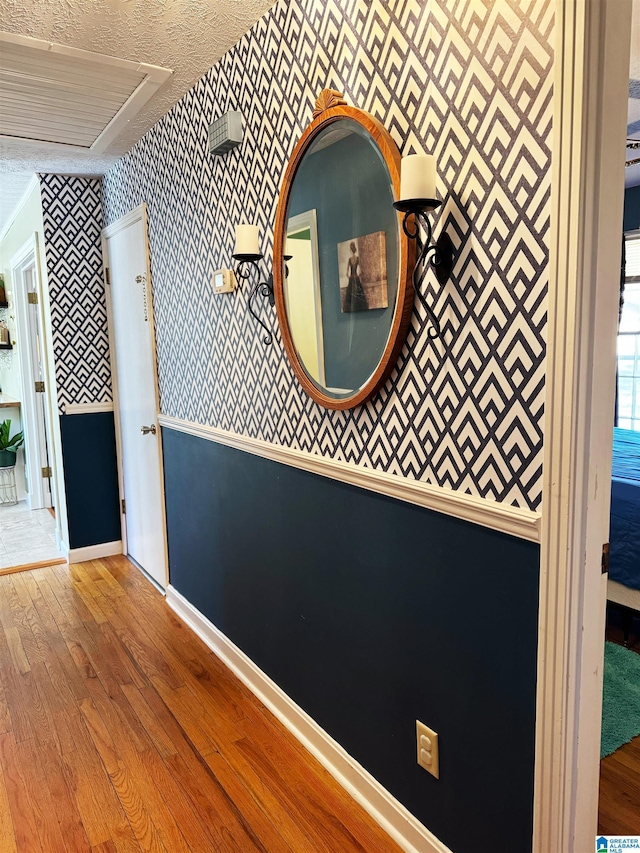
39 378
136 394
34 385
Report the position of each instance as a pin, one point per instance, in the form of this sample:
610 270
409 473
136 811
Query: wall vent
225 133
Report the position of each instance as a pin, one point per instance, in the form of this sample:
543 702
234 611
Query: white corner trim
393 817
95 552
33 183
86 408
514 521
155 77
124 222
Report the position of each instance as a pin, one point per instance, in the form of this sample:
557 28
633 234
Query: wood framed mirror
342 263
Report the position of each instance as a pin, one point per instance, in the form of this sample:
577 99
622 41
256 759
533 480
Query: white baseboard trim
86 408
94 552
523 523
392 816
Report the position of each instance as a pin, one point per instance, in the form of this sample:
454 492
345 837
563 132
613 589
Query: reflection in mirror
302 292
342 284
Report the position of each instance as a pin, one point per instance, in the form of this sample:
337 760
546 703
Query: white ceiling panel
66 96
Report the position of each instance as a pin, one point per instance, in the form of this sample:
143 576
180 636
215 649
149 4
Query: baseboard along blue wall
371 613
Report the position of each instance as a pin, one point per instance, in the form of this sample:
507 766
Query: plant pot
7 458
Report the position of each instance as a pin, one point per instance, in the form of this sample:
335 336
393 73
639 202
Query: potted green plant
9 446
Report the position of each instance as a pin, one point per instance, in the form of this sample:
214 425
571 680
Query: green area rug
621 698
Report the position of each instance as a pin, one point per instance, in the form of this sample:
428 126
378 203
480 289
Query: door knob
145 430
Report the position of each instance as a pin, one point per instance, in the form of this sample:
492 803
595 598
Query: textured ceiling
188 36
13 186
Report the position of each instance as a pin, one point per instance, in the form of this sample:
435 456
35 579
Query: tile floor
26 536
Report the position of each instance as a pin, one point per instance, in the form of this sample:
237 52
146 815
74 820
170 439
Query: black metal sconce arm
439 254
265 288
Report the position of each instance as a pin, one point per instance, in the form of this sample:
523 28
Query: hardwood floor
120 731
619 809
619 805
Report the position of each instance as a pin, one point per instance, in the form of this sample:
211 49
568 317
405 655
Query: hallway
27 536
121 731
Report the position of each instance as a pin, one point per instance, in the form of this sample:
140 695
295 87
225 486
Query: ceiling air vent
66 96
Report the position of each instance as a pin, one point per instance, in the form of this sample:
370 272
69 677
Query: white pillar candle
247 240
418 176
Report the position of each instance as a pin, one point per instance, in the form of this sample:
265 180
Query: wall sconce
247 253
417 199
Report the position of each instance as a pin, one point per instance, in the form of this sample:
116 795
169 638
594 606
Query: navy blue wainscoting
631 209
91 478
371 613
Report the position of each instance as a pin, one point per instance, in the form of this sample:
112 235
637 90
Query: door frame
137 214
28 255
590 118
308 220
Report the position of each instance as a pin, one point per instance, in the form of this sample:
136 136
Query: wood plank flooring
619 806
120 731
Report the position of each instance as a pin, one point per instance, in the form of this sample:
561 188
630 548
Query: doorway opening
619 801
619 798
29 530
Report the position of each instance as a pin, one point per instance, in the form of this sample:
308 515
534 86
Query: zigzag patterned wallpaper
468 81
72 213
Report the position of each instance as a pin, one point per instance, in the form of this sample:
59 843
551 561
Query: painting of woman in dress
363 273
354 298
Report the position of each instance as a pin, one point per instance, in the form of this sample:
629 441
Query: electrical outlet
428 753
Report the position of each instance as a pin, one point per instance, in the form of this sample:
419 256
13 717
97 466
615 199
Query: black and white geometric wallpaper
72 213
470 82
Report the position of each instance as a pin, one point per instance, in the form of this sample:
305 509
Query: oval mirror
341 259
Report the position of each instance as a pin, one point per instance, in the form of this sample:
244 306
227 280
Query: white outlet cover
428 755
